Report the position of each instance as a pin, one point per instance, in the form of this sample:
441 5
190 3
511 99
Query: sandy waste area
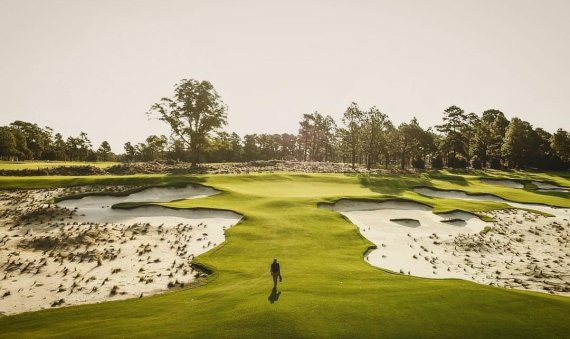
502 182
546 187
541 186
82 251
519 249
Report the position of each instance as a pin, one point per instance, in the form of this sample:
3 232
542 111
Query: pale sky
97 66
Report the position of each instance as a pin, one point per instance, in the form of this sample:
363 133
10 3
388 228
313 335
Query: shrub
418 163
457 161
495 163
114 290
476 162
437 162
461 162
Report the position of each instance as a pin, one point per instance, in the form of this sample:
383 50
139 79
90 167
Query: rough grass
34 165
328 290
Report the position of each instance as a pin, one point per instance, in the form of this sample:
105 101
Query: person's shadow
274 296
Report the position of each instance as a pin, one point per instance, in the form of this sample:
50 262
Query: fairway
328 290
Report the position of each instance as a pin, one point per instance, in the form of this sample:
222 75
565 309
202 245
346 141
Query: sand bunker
90 252
518 250
151 194
502 182
547 187
559 212
402 248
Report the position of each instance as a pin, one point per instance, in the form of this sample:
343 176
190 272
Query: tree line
196 115
22 140
368 137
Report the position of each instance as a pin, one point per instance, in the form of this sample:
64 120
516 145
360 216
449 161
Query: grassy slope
328 290
21 165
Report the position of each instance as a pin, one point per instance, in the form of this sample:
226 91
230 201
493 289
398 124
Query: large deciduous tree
560 143
412 142
488 138
195 110
7 144
518 145
37 138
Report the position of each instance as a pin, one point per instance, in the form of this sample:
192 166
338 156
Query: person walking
275 272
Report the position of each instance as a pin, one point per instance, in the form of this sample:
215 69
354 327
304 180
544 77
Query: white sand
521 249
555 211
140 251
503 182
152 194
398 244
546 187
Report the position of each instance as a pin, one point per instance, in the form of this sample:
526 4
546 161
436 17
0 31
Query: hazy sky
97 66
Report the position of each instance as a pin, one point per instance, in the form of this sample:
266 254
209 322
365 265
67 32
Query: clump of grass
175 284
57 303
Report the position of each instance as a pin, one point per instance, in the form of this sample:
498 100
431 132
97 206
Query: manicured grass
328 290
34 165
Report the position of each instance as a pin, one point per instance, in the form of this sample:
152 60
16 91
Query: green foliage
352 133
224 147
7 144
488 137
457 161
476 162
196 110
316 137
154 148
375 127
437 162
418 163
366 137
36 138
412 141
515 147
270 146
454 123
560 143
495 163
104 151
79 148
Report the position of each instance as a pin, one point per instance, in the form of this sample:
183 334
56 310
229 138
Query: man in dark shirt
275 272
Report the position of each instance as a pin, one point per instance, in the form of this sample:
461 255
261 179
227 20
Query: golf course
328 289
284 169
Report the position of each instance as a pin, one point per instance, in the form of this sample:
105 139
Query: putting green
327 289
